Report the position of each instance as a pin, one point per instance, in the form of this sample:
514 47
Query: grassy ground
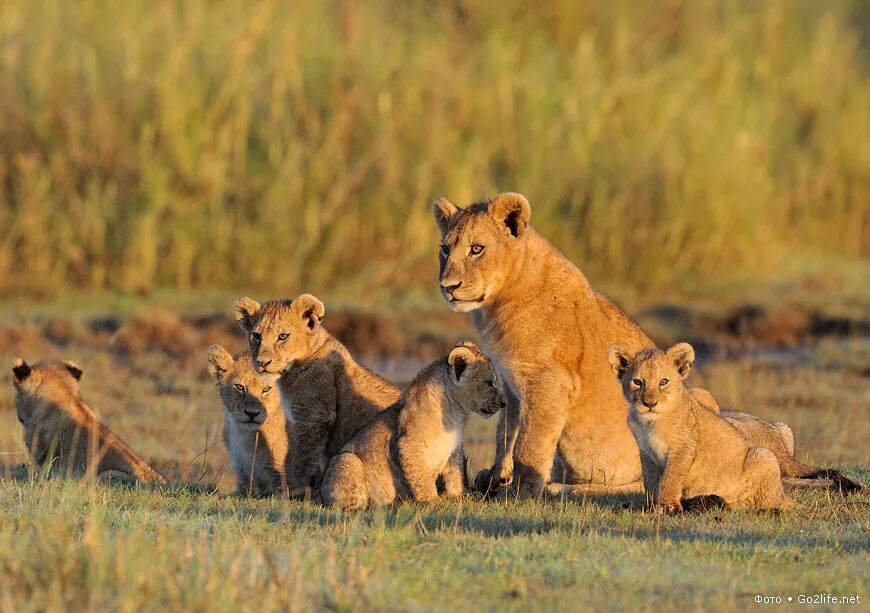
70 545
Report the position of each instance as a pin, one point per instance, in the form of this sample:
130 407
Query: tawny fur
402 453
688 451
256 432
325 394
61 430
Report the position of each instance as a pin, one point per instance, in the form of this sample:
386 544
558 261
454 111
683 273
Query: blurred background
707 164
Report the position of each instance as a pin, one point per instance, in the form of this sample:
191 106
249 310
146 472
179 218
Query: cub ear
620 360
310 308
246 308
513 210
219 362
459 359
683 357
443 210
20 370
74 369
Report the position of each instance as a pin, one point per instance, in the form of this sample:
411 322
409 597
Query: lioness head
245 396
280 331
480 244
652 379
476 384
43 388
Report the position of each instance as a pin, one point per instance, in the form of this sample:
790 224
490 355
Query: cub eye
239 388
266 390
445 250
476 249
255 336
663 383
491 384
637 382
283 336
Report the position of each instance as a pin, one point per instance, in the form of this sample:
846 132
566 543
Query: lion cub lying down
686 450
255 430
325 394
61 431
403 451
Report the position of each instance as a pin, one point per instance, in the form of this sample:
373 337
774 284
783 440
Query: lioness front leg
670 489
490 480
419 478
307 456
453 474
543 412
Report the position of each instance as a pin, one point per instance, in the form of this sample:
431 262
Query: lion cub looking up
401 453
686 450
325 394
61 431
255 429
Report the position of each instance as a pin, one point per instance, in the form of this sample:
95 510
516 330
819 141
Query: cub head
43 388
476 384
281 331
479 245
245 396
652 380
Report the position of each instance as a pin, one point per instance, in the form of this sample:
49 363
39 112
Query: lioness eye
266 390
239 388
663 383
476 249
637 382
255 336
283 336
445 250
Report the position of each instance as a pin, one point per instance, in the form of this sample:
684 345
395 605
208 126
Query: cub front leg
670 490
307 460
652 475
415 470
490 480
453 474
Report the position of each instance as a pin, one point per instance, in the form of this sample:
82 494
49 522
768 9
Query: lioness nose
451 288
263 363
251 414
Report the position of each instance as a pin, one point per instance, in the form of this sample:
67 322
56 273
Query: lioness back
256 432
326 395
61 431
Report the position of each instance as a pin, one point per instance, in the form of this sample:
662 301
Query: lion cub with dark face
61 431
402 453
325 394
255 430
686 450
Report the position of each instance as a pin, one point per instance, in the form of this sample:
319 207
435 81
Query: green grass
282 145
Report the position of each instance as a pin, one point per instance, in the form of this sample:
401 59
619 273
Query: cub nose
251 414
502 404
451 288
263 363
650 403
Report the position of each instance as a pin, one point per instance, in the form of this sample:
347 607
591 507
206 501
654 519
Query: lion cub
255 430
325 394
61 431
403 451
686 450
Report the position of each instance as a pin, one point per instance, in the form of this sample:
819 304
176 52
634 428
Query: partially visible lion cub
401 454
326 395
255 430
61 431
686 450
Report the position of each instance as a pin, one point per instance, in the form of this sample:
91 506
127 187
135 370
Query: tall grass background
214 144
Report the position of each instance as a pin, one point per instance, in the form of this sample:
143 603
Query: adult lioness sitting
62 432
325 394
548 330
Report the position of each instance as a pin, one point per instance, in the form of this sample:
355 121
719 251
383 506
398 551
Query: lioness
62 432
686 450
255 429
547 330
325 394
402 452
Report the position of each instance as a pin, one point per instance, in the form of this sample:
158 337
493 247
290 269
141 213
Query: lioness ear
513 210
20 370
459 359
310 308
620 360
219 362
246 308
443 210
683 357
74 369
